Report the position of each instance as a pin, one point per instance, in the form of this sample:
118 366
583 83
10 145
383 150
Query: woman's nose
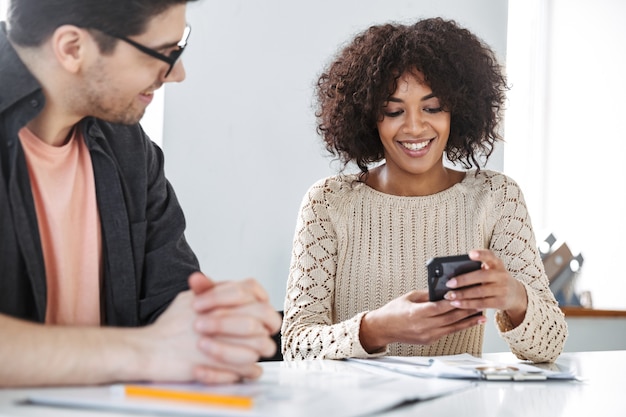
414 123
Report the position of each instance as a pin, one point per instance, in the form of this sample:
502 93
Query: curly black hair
460 68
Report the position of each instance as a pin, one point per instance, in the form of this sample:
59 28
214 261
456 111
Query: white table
602 391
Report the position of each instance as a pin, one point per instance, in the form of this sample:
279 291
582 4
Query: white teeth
415 146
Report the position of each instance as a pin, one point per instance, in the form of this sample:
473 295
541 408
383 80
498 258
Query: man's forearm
37 355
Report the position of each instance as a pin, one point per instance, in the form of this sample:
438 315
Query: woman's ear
69 45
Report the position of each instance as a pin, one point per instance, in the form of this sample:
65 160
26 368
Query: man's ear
70 45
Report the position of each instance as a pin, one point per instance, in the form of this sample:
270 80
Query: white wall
586 181
567 147
239 135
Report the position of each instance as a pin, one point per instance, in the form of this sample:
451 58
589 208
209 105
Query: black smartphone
443 268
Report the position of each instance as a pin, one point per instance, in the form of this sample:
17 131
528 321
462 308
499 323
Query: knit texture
355 249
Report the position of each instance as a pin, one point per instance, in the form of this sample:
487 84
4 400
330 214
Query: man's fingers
228 294
199 283
209 375
251 319
237 350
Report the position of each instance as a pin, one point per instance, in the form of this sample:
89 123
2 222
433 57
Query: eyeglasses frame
170 59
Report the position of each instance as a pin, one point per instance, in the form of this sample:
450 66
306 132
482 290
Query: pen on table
225 400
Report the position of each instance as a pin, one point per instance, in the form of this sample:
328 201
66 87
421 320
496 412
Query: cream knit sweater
356 248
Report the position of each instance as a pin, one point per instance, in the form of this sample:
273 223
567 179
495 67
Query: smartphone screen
442 269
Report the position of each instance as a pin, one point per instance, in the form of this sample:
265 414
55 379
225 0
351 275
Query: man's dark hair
31 22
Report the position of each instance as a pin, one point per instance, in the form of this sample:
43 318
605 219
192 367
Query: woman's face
414 129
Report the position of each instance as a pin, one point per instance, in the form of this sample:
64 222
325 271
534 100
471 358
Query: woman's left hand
491 287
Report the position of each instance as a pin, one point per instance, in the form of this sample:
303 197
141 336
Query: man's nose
177 74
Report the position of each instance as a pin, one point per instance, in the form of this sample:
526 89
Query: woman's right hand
412 318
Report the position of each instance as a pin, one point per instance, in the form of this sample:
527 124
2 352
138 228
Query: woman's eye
393 113
433 109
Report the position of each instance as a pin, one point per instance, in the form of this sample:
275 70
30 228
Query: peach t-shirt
69 225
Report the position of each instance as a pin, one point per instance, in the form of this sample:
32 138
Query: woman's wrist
371 338
518 313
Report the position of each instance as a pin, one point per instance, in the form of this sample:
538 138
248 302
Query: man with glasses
169 59
97 281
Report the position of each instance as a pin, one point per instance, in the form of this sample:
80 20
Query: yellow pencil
198 397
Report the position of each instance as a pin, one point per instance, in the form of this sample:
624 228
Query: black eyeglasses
170 59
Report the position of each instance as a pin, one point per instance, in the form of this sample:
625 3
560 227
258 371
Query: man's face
119 86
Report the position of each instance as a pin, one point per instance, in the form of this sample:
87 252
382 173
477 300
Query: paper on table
464 366
303 388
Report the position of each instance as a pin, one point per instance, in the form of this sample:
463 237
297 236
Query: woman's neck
382 179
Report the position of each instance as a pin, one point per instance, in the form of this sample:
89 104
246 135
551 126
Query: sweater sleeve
308 331
542 334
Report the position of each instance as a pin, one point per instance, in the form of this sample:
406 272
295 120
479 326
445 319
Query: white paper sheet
465 366
304 389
